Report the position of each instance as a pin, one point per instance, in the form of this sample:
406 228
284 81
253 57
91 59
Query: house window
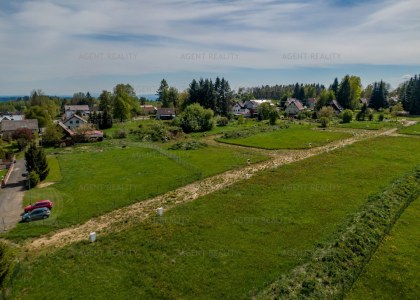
71 122
77 122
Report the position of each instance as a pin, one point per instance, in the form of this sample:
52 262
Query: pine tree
334 87
36 161
344 92
162 93
43 168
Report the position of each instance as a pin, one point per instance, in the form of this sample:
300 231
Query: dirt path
126 217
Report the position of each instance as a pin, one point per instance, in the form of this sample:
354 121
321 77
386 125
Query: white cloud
42 41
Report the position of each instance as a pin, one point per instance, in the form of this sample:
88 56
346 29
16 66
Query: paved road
11 198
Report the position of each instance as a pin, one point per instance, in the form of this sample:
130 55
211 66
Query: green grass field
290 138
369 125
394 270
103 179
55 172
413 130
230 244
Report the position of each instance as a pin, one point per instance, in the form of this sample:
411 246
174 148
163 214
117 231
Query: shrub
120 134
370 117
381 117
347 116
326 112
324 122
195 119
360 116
273 116
33 179
241 119
222 121
190 145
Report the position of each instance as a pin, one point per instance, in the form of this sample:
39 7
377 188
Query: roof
364 101
297 103
64 127
336 105
311 100
76 107
9 125
12 117
74 116
165 111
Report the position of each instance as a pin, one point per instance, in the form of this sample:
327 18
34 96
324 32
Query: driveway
11 197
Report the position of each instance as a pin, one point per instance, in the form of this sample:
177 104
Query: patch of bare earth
126 217
44 184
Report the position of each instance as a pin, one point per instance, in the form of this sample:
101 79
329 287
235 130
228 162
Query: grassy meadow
117 177
295 137
230 244
413 130
394 269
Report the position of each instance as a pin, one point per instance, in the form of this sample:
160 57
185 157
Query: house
11 117
148 109
81 110
253 105
336 106
310 103
364 101
294 107
10 126
165 114
68 133
239 109
74 121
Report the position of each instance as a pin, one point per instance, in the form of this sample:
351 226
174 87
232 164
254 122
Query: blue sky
64 47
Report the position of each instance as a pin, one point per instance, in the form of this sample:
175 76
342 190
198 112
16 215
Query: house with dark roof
310 103
165 114
81 110
8 127
239 109
74 121
336 106
294 107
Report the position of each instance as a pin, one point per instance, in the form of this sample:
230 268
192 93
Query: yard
394 270
413 130
295 137
230 244
118 177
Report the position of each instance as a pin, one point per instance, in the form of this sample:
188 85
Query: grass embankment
230 244
294 137
394 269
412 130
98 180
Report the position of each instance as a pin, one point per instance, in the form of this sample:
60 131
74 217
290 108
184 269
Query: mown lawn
394 271
103 179
55 172
370 125
413 130
289 138
230 244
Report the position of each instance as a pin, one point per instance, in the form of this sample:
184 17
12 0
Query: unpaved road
126 217
11 197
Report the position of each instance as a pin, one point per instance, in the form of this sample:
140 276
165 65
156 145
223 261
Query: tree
396 110
105 101
379 98
355 91
121 108
410 95
36 161
334 87
326 112
40 113
23 136
172 97
163 93
273 116
52 135
325 99
344 93
125 102
263 111
195 118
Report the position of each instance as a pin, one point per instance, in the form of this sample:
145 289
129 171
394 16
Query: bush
370 117
324 122
190 145
196 119
273 116
381 117
222 121
6 265
326 112
360 116
241 119
347 116
120 134
33 179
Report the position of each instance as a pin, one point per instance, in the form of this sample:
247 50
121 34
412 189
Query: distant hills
151 97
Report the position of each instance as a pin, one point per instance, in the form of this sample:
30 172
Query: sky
63 47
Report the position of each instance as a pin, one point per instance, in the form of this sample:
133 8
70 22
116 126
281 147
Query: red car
44 203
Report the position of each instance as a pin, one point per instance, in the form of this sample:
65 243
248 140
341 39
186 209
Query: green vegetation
6 264
413 130
334 267
118 177
236 241
394 269
55 173
369 125
188 145
288 138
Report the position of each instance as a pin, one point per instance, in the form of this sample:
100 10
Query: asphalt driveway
11 197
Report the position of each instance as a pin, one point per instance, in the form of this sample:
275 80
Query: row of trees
121 104
409 93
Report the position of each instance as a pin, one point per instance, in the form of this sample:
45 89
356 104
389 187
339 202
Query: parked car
25 173
36 214
43 203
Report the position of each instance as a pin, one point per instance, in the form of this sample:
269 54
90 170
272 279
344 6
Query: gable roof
336 105
64 127
11 125
74 116
76 107
12 117
297 103
165 111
